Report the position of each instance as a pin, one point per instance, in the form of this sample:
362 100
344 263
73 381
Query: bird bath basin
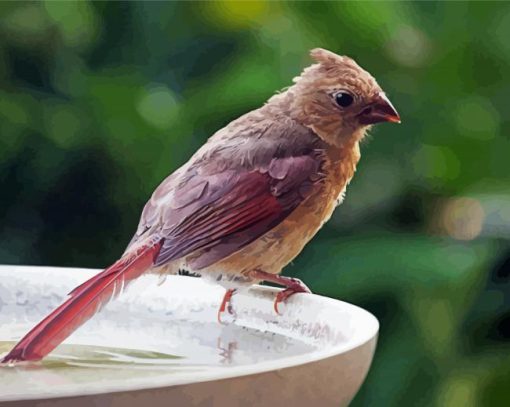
159 344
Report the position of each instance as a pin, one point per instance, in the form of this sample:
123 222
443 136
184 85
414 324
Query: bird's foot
226 305
293 286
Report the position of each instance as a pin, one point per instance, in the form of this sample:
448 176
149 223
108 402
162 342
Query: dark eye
344 99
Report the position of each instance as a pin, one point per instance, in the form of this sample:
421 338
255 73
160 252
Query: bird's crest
323 56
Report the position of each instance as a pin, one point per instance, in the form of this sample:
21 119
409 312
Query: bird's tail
83 302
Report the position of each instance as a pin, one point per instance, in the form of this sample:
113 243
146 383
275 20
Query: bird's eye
344 99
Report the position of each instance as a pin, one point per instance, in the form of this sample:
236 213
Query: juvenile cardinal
248 201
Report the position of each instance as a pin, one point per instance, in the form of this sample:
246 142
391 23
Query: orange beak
379 111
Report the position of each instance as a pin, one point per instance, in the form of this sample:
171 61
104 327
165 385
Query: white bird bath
160 345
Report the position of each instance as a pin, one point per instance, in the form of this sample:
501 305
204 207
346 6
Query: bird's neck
281 104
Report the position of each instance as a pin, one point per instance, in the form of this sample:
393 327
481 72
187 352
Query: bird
248 201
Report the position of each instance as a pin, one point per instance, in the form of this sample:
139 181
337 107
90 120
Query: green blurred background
100 101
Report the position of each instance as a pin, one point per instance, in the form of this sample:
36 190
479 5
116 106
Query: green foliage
99 101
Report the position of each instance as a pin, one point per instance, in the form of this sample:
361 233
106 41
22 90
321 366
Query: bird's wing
215 215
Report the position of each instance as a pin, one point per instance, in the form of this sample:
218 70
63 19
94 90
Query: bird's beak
380 110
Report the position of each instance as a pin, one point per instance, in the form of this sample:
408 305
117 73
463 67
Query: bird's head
338 99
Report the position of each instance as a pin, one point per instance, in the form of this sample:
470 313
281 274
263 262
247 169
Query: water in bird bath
207 347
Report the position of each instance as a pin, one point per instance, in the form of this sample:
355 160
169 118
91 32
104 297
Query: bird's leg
293 285
226 353
225 304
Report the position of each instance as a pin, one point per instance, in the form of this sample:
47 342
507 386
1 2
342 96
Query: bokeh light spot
235 14
476 118
26 23
12 111
436 163
462 218
76 20
409 46
158 106
459 390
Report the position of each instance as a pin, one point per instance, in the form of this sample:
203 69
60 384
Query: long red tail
83 302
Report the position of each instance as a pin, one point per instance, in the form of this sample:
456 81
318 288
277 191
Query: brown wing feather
235 209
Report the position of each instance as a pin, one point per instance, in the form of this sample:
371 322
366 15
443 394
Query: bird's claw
295 286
